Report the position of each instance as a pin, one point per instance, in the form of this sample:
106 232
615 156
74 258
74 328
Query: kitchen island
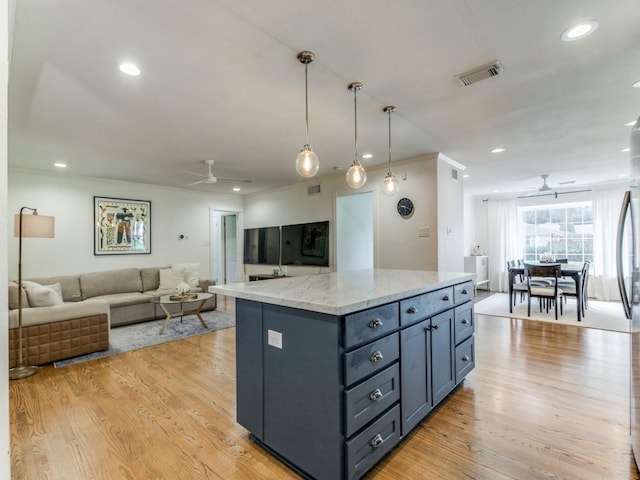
333 370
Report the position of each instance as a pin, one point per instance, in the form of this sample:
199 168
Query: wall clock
405 207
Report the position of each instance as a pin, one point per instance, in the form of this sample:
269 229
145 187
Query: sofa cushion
170 278
70 286
43 295
191 272
150 278
124 280
13 296
123 299
58 313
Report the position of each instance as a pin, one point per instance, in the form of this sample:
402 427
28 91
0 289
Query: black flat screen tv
262 246
305 244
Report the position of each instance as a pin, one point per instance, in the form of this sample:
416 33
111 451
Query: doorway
355 231
224 246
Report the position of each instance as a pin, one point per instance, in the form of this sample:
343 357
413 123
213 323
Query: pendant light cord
306 100
355 119
389 112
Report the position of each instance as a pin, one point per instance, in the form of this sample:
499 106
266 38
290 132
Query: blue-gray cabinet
330 395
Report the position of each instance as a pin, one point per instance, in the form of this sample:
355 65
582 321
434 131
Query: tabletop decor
547 258
182 292
121 226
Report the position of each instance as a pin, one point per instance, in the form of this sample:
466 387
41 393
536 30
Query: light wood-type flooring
545 401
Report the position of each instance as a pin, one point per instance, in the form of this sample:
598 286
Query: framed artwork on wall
121 226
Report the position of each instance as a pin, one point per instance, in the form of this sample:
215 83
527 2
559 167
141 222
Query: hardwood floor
545 401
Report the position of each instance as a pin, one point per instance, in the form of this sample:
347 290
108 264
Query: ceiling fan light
356 175
307 163
390 186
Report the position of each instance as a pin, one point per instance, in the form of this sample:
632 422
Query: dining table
569 269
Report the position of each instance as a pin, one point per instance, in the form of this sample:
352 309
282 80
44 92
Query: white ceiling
220 79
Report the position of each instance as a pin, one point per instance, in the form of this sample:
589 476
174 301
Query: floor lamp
36 226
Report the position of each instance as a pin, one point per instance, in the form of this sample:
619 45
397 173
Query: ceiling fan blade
235 179
194 173
196 183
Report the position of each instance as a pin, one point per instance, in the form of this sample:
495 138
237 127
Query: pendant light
307 163
356 175
390 185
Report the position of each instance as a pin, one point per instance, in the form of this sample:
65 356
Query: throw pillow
170 278
43 295
13 297
191 272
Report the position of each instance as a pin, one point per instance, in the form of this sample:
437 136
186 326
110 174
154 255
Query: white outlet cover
274 339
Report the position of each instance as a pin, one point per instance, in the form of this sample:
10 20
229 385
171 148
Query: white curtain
606 211
504 241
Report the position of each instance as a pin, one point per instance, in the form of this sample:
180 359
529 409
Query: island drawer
364 451
363 327
463 292
371 358
369 399
424 306
465 359
464 322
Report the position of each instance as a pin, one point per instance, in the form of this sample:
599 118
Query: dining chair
520 286
568 287
548 295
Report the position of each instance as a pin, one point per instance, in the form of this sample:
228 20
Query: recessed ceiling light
630 124
498 150
581 30
236 189
367 155
466 175
130 69
496 191
622 175
60 165
625 150
636 84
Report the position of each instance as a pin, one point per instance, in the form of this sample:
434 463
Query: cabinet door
442 355
415 346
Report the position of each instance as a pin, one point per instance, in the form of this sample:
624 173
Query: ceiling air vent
486 71
454 174
313 190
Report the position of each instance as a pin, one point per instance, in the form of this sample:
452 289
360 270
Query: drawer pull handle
377 441
412 310
464 291
375 395
375 323
435 327
465 321
445 298
465 358
376 356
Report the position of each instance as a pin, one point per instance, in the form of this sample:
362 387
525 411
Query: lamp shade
34 226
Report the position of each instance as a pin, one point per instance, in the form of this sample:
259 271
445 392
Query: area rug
602 315
140 335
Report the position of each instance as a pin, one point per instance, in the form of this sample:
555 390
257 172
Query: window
563 230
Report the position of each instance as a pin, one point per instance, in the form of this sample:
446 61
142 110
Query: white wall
450 203
397 243
5 457
70 200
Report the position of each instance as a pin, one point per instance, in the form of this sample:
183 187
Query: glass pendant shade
356 175
390 185
307 163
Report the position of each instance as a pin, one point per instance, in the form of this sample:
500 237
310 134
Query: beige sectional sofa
93 303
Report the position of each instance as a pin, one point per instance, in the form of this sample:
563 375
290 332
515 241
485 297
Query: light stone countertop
342 293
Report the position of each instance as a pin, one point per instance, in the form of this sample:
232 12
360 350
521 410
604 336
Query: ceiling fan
211 179
544 187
